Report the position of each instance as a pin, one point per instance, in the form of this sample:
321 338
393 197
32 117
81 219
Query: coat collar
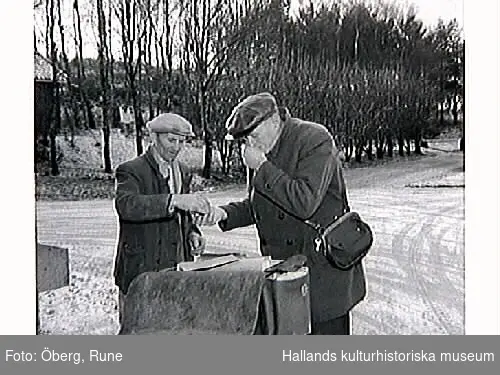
148 155
285 128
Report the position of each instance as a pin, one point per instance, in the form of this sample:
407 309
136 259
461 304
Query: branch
217 60
140 51
207 27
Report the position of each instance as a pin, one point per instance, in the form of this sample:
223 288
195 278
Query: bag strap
344 200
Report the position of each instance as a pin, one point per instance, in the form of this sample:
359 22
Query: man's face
169 145
263 136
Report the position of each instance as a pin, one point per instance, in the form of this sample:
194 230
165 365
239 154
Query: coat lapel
148 155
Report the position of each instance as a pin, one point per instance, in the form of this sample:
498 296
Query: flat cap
170 123
250 113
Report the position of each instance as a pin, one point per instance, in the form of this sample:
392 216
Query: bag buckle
317 242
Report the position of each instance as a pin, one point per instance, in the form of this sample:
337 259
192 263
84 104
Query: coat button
289 242
268 186
281 215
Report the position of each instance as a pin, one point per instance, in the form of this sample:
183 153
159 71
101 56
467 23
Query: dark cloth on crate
193 302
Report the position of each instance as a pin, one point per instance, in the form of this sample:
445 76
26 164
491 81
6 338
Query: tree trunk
390 147
55 125
441 112
462 145
441 115
54 167
370 150
359 151
350 149
90 115
230 150
207 168
408 147
103 73
207 134
224 152
418 140
74 125
148 63
138 122
78 39
401 144
380 144
454 108
132 43
69 79
106 149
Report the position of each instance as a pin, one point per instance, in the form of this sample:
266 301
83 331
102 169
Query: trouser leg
337 326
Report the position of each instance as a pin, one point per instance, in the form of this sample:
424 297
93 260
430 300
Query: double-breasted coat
149 237
301 179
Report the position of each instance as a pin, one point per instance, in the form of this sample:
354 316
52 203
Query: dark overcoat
302 179
149 238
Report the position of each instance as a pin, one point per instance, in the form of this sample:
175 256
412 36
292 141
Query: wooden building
44 96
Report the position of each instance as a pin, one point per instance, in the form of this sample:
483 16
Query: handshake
204 213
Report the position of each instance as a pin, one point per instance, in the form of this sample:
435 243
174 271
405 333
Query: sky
429 11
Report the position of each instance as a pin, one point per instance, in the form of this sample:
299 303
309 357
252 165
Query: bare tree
71 87
55 124
81 76
209 36
103 57
165 44
111 63
133 30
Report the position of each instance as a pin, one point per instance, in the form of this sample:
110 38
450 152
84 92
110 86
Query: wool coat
301 179
149 237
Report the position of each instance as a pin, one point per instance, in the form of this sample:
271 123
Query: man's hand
196 243
191 202
215 215
253 157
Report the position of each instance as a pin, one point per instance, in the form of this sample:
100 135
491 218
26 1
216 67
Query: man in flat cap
297 176
154 206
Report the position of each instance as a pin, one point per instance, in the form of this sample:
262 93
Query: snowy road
415 270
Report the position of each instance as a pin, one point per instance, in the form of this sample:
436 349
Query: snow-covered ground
415 269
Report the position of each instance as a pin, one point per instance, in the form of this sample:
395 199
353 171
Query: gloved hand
291 264
215 215
196 243
191 202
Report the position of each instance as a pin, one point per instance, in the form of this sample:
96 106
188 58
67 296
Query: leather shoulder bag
346 240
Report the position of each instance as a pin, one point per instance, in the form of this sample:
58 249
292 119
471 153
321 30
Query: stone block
52 267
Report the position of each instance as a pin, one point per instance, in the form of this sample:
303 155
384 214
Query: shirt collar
163 165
